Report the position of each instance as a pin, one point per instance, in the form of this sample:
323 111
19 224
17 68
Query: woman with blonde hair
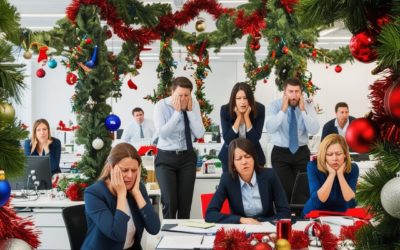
42 143
332 177
117 206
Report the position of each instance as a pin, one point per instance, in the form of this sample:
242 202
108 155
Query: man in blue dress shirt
141 131
178 121
290 120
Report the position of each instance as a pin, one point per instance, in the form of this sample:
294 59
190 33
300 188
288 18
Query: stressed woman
254 194
117 206
41 143
332 177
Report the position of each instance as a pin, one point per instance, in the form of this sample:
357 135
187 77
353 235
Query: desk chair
205 201
300 193
75 223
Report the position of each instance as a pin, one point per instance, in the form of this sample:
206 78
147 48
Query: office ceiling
43 14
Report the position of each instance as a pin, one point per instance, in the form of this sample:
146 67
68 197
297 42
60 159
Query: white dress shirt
131 133
342 131
170 126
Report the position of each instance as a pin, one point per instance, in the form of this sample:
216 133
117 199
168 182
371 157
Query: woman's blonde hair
117 153
34 141
323 147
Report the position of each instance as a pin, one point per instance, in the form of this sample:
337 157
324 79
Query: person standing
290 120
242 117
139 130
339 124
177 120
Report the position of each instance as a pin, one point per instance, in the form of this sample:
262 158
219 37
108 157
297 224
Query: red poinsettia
233 239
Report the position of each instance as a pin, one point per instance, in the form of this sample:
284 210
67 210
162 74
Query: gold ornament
27 55
2 175
282 244
200 24
7 112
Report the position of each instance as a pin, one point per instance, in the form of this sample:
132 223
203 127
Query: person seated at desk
332 177
252 191
117 206
41 143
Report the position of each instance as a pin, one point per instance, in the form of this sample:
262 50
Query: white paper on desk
193 230
208 242
337 220
301 225
265 227
180 241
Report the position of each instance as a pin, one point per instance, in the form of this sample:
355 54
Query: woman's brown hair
34 140
323 147
249 95
245 145
117 153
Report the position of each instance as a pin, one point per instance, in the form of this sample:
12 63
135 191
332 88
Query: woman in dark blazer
253 193
117 206
242 117
41 143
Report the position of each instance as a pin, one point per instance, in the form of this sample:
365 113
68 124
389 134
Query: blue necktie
293 138
188 135
141 131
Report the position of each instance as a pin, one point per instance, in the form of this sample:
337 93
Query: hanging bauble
282 244
14 244
346 245
5 189
71 78
200 24
97 143
7 112
91 63
257 36
283 73
285 50
112 122
88 41
390 197
52 63
40 73
361 47
392 101
361 135
255 45
314 53
138 63
91 103
338 69
132 85
42 57
27 55
262 246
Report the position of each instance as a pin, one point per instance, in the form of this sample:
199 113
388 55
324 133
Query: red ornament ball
361 47
138 63
132 85
314 53
285 49
71 78
360 135
255 45
338 69
40 73
88 41
392 101
262 246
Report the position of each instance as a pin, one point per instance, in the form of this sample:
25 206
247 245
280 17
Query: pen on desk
202 239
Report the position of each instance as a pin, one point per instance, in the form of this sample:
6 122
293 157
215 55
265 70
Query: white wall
49 97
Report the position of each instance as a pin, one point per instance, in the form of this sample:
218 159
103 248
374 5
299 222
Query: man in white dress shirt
178 121
140 131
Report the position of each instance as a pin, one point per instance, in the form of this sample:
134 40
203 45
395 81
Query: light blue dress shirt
131 133
277 123
251 197
170 126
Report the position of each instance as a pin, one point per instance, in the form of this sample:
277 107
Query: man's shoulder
330 122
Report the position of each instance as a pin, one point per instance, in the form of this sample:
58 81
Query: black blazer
253 135
271 193
330 128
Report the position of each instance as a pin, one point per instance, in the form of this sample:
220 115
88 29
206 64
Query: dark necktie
188 135
141 131
293 137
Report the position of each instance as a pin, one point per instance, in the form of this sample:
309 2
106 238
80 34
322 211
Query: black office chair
75 222
300 193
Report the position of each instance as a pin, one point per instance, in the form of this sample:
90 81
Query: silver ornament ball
390 197
14 244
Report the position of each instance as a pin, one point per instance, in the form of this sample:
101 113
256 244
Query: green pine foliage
389 50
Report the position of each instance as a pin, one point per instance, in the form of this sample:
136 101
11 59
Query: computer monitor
38 166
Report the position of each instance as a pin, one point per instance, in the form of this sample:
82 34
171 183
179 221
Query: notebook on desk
186 242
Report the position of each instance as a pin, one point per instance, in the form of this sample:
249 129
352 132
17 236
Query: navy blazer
253 135
55 153
330 128
271 193
107 226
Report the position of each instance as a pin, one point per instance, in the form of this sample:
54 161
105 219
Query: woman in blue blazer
117 206
41 143
253 193
332 178
242 117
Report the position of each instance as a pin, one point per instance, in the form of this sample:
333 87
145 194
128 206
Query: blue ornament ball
52 63
112 122
5 191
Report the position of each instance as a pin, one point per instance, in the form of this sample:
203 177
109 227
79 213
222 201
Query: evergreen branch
389 47
9 20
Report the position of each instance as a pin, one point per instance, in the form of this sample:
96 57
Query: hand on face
190 104
176 102
136 186
331 170
247 112
285 102
301 103
340 170
117 181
